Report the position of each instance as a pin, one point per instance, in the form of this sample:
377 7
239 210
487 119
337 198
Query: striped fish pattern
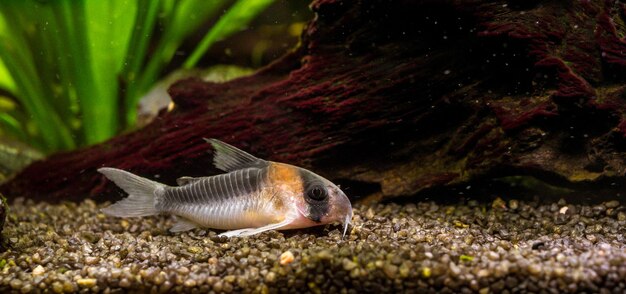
253 196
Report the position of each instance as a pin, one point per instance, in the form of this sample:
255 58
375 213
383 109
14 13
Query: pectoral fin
182 225
253 231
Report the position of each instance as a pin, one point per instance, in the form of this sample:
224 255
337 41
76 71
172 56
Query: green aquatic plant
72 71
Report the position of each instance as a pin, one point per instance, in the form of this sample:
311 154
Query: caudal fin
141 194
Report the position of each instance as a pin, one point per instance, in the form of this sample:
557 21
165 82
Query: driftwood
397 97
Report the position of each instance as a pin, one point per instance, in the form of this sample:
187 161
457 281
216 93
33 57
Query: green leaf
182 19
77 68
143 26
19 60
98 109
235 19
109 27
12 125
6 81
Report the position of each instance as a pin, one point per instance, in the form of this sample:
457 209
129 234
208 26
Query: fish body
254 195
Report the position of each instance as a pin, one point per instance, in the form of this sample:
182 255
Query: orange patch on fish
287 176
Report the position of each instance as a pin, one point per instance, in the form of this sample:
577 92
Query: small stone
86 283
270 277
230 279
190 283
592 238
454 269
534 269
26 288
16 284
39 270
218 286
493 256
325 255
68 287
194 249
90 260
159 278
511 282
348 264
483 273
513 204
228 287
563 210
612 204
286 258
390 270
124 283
212 260
183 270
498 204
426 272
124 223
57 287
559 272
405 270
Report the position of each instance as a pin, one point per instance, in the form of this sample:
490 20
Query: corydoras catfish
253 196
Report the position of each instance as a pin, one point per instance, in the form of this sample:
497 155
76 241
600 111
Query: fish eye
317 193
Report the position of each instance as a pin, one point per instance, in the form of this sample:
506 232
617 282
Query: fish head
322 201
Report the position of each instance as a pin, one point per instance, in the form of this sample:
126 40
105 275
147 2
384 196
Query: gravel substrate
500 246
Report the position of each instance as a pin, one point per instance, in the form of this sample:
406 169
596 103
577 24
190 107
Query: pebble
286 258
325 255
124 283
454 269
86 283
390 270
612 204
270 277
16 284
91 260
426 272
455 248
534 269
190 283
348 265
39 270
483 273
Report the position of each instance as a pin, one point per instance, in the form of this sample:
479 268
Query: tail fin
141 194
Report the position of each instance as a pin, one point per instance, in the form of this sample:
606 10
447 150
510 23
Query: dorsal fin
229 158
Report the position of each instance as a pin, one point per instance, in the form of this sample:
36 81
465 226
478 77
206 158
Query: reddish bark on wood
406 95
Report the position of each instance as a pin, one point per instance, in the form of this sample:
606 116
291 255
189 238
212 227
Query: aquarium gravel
484 247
